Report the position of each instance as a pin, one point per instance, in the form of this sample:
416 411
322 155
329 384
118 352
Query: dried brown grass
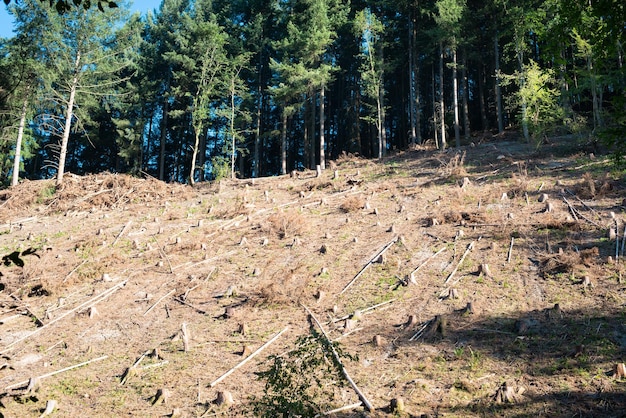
352 203
287 224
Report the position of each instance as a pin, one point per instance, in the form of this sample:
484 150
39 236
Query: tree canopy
202 89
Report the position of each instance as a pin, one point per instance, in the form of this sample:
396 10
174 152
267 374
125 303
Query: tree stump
243 329
224 398
485 271
543 197
162 396
396 405
377 341
620 371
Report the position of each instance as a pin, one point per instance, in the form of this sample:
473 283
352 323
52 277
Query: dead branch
250 357
576 212
366 402
158 301
369 263
43 376
362 311
508 258
98 298
426 261
122 232
179 300
469 248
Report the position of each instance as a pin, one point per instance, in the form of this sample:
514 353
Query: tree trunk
322 138
283 145
455 96
18 143
163 139
312 141
484 122
442 110
194 155
435 126
232 128
498 90
522 83
466 120
412 77
68 121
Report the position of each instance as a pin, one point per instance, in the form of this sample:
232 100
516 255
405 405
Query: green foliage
299 384
536 89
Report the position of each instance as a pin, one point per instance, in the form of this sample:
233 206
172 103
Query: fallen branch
369 263
247 359
426 261
576 212
342 409
179 300
366 403
158 301
467 251
343 318
43 376
122 232
90 302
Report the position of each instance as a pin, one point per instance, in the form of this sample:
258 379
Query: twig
575 212
169 263
369 263
469 248
74 269
343 318
366 403
91 301
508 258
43 376
158 301
179 300
421 330
208 260
184 297
122 232
263 347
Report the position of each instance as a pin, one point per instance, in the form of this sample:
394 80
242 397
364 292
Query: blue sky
6 21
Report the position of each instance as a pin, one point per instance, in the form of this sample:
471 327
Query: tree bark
442 110
498 90
68 121
18 143
283 144
322 138
466 120
163 139
455 96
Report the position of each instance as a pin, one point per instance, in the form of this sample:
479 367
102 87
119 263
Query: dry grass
287 224
352 203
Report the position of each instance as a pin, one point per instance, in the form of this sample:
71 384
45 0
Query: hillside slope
517 307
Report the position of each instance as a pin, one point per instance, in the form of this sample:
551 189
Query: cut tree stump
161 397
396 405
377 340
507 394
620 371
224 398
485 271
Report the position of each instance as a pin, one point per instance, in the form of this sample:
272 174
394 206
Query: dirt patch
462 289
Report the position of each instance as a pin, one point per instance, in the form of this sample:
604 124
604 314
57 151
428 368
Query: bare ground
521 312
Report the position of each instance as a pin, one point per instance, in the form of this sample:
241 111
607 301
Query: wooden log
51 405
467 251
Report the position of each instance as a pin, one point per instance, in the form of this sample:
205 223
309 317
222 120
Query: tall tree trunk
499 109
194 155
412 76
322 138
442 109
522 83
418 122
455 95
68 121
435 105
484 121
283 143
166 107
232 128
257 134
312 136
18 143
466 120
